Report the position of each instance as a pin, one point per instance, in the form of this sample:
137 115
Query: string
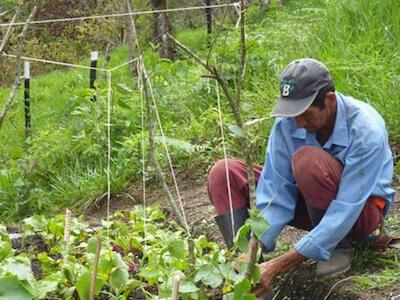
225 158
167 153
138 13
108 143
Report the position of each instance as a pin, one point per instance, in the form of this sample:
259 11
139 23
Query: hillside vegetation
63 163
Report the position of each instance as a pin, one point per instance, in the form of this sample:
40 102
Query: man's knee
217 174
304 159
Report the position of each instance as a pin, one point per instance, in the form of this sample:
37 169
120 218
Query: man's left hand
268 272
271 269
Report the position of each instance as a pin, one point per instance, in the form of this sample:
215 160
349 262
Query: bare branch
10 28
17 81
2 14
131 37
191 53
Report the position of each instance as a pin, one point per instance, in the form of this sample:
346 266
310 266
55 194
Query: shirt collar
339 135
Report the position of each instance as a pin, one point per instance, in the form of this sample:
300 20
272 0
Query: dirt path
298 285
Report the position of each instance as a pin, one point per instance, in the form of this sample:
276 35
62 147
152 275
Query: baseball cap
299 84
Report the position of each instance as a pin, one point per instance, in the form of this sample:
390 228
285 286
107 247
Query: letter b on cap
285 90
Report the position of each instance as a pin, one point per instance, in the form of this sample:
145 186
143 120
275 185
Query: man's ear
330 98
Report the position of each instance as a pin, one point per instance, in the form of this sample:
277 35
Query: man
328 170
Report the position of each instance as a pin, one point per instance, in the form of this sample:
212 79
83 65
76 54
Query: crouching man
328 170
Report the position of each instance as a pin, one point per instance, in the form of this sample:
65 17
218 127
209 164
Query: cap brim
292 108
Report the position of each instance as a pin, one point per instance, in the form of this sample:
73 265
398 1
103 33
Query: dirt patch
300 284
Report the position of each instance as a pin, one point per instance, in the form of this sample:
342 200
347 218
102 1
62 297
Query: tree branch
17 81
10 28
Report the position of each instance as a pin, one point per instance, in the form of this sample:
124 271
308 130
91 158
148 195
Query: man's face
314 118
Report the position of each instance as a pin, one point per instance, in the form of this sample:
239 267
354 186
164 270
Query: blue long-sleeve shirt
359 140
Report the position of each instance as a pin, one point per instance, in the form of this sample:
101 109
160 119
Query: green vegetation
62 164
140 256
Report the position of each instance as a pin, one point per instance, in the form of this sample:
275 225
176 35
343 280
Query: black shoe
224 223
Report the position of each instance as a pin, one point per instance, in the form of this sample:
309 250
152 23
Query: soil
300 284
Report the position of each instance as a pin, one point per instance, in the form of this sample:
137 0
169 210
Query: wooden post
94 55
27 104
175 287
94 273
67 228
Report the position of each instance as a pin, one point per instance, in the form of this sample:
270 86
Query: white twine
124 64
109 95
166 151
225 159
53 62
138 13
69 64
140 85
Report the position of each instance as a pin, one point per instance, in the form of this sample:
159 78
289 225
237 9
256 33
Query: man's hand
268 272
271 269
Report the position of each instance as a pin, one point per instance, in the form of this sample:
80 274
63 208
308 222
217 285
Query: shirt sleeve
276 193
359 177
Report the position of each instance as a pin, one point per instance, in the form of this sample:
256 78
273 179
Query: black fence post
209 17
27 104
94 55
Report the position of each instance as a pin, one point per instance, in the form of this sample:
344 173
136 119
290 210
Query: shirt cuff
308 248
269 236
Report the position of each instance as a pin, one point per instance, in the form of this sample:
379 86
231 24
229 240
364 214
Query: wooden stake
95 265
67 228
175 287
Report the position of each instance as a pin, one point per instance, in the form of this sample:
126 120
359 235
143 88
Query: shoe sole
334 274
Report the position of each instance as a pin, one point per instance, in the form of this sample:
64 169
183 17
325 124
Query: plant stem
94 273
234 103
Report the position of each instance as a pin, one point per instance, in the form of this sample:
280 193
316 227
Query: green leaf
122 104
83 285
91 245
34 224
177 249
242 291
4 233
119 274
44 287
19 266
242 237
209 275
258 224
119 277
187 287
6 250
236 130
150 275
125 88
47 263
11 288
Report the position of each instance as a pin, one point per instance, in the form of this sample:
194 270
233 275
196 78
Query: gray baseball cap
299 84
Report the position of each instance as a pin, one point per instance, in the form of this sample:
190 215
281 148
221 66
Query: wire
225 159
53 62
138 13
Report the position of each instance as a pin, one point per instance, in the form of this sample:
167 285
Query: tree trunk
162 28
131 37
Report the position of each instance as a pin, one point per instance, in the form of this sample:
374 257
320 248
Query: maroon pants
317 175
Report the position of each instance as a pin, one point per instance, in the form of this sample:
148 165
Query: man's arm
277 192
271 269
363 168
